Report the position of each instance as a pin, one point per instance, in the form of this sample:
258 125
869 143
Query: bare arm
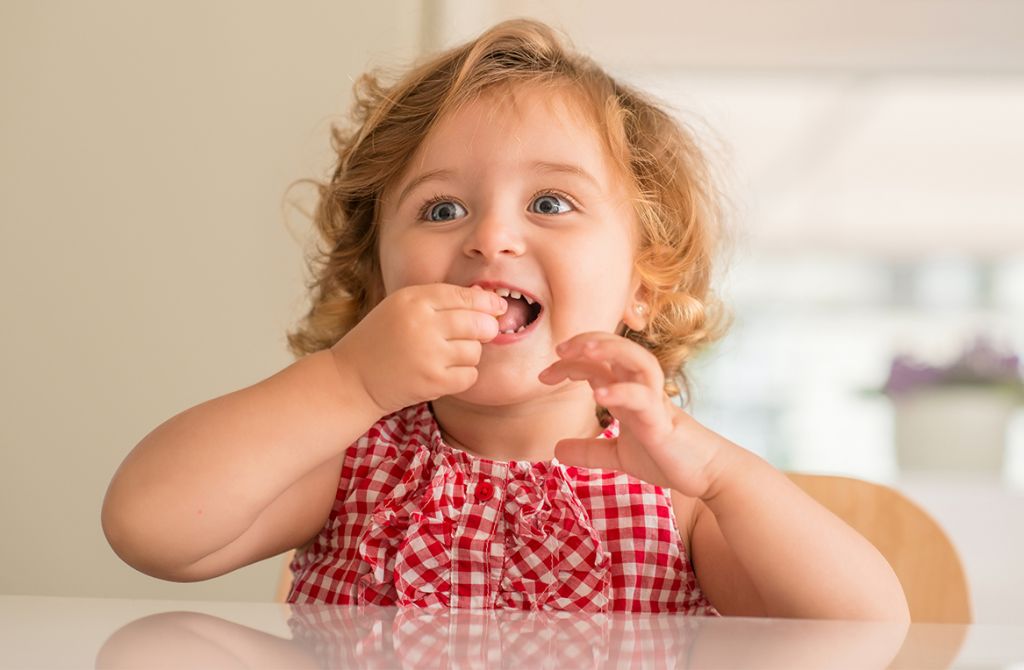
761 546
253 473
237 478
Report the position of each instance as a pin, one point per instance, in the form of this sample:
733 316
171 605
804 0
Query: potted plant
955 417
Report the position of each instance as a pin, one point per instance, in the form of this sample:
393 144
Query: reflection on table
63 632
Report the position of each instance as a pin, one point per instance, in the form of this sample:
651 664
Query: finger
595 372
575 344
458 379
629 397
589 453
633 404
465 324
462 353
624 373
627 359
452 296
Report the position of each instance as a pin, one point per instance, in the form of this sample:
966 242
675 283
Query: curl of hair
675 198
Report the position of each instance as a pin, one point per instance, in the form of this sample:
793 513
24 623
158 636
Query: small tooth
521 328
515 294
503 292
508 332
527 299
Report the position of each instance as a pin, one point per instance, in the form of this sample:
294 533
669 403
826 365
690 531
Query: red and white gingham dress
418 522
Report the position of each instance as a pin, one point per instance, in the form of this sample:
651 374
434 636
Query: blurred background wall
872 152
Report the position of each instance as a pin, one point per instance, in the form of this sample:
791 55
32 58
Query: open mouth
522 311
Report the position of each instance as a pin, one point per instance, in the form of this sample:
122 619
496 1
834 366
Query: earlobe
637 312
636 316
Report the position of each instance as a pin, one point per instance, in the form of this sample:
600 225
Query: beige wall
145 264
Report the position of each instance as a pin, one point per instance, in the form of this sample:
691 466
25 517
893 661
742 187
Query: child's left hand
628 380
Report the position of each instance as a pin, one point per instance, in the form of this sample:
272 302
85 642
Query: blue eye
443 210
549 203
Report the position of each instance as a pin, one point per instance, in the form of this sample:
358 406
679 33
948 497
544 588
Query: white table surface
984 517
50 632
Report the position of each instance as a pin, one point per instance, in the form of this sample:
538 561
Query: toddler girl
517 264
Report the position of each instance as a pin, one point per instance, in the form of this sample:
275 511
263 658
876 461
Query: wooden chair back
919 551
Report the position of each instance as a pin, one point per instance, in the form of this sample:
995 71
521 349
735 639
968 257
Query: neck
520 432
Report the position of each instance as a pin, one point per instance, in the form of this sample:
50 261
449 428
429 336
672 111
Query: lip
511 338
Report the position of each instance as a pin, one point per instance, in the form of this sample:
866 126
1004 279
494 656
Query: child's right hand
420 343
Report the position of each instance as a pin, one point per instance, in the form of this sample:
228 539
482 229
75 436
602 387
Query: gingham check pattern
412 637
417 522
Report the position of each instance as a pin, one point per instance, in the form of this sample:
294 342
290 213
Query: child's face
502 214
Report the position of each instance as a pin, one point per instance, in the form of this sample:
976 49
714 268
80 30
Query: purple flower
980 365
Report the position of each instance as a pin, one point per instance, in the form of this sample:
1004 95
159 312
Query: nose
495 234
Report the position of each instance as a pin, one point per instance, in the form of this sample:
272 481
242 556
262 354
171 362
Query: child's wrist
353 392
717 459
733 469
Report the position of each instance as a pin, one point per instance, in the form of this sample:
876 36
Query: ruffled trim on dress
407 545
554 556
522 538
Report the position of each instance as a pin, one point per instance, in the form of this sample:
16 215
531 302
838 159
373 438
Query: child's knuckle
465 295
433 376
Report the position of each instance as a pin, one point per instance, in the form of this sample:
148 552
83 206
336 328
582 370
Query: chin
496 388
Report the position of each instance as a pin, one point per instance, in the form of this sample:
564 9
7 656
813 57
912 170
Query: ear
637 312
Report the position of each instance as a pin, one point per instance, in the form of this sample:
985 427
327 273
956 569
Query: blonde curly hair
675 198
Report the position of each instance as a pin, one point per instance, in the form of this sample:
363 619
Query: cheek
607 260
595 296
413 263
593 312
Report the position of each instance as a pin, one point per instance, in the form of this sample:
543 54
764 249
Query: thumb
589 453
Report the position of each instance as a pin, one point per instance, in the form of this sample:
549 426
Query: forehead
509 125
550 105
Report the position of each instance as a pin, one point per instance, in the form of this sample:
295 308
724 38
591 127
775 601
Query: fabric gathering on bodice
416 522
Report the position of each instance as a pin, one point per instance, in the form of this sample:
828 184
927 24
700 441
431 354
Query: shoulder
414 422
399 446
392 436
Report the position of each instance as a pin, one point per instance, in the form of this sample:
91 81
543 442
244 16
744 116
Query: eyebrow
426 176
566 168
538 166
